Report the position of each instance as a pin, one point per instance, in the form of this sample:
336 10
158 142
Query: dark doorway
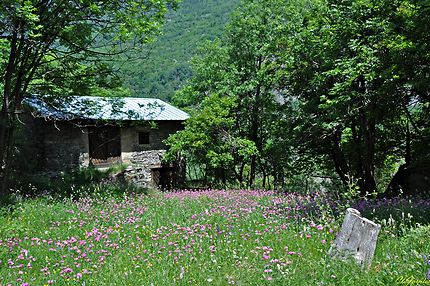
105 145
163 177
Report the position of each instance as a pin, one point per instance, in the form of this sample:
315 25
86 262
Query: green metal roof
104 108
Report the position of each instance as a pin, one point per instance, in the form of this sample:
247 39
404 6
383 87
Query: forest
163 67
317 91
334 90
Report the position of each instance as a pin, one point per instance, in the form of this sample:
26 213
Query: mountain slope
165 65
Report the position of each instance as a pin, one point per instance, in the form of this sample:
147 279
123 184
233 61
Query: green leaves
234 89
56 47
206 135
313 84
71 32
348 72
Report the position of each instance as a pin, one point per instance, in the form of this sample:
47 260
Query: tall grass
209 237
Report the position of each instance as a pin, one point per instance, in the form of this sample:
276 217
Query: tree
347 69
242 65
209 141
36 34
337 87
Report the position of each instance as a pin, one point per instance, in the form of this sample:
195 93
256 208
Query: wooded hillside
164 66
335 90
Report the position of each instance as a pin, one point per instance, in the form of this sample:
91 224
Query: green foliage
346 71
225 237
163 67
77 184
241 66
321 87
77 37
208 139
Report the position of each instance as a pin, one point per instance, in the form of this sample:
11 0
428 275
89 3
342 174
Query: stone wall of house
140 170
130 138
142 158
29 144
65 146
60 146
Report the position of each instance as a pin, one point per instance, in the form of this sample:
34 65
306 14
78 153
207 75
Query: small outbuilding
81 131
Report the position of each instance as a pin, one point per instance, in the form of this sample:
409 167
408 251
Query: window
143 138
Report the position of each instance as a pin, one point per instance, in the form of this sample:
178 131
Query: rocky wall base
140 171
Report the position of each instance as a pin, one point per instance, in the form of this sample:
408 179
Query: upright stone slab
356 239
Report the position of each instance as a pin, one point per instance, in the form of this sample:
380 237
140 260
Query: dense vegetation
238 237
56 47
291 91
337 89
163 67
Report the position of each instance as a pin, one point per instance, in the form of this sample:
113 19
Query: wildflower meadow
207 237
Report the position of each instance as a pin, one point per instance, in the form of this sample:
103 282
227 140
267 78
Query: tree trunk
368 130
364 141
264 179
220 175
240 175
7 129
255 125
5 114
338 158
356 239
408 157
364 153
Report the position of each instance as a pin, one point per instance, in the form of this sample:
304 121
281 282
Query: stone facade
65 147
130 144
140 170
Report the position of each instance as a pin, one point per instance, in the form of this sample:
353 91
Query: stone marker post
356 239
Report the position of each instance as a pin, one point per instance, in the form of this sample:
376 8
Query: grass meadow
207 237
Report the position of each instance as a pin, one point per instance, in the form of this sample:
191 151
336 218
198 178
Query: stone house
81 131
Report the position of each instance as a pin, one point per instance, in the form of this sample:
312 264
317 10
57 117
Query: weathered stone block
357 239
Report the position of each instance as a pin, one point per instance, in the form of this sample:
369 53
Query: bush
85 182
